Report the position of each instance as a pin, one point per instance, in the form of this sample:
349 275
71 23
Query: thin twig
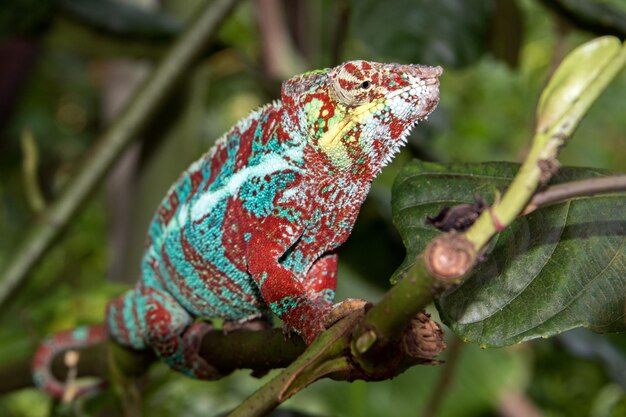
445 379
517 404
112 143
342 8
282 59
583 188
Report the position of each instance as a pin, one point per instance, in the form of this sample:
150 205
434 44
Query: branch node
450 256
423 338
548 168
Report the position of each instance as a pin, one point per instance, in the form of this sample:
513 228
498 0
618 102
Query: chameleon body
252 227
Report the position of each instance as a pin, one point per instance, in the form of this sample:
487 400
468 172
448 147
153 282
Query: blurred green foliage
486 113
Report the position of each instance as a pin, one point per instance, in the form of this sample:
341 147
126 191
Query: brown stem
445 379
281 57
583 188
341 30
257 350
517 404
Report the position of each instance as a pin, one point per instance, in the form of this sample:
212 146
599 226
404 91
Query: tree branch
583 188
328 355
280 54
113 141
257 350
340 30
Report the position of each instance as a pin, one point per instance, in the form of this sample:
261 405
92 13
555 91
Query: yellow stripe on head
330 142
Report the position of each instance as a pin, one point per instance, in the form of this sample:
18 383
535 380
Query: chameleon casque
254 224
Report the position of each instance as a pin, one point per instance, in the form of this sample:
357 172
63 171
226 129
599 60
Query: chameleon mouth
425 71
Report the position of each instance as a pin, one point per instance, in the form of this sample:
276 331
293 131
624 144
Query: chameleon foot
252 323
192 338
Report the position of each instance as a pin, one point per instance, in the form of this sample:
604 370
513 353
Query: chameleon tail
69 339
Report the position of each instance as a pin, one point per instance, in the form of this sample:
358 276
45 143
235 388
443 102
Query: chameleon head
360 113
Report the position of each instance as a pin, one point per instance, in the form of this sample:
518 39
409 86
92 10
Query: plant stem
555 125
412 293
243 349
583 188
321 358
445 379
114 140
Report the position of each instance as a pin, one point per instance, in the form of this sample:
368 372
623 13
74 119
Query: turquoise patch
80 334
258 194
285 305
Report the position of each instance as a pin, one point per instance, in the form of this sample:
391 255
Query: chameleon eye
350 86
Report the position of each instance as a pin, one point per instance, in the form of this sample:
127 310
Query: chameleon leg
283 292
320 284
321 280
123 322
170 331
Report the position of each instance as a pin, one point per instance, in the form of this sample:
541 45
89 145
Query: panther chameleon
253 226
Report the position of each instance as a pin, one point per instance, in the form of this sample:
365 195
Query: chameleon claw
192 337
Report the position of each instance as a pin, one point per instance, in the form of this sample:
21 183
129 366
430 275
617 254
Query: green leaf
453 33
559 268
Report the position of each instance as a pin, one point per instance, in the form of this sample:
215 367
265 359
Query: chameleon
253 226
